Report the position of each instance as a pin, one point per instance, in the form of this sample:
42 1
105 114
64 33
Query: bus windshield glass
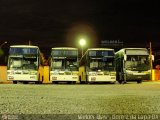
137 63
22 63
100 64
65 64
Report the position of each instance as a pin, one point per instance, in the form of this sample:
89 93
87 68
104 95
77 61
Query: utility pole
151 65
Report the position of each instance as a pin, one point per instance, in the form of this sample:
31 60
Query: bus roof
24 46
122 51
134 49
64 48
100 49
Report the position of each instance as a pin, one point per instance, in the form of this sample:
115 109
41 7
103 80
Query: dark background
54 23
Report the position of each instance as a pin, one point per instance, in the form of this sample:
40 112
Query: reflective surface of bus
132 64
97 65
24 64
64 65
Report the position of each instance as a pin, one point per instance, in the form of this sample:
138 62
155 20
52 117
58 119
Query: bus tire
87 82
120 81
54 82
14 82
80 81
39 81
139 81
113 82
25 82
74 82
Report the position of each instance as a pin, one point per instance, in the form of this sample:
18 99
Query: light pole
3 44
82 42
151 65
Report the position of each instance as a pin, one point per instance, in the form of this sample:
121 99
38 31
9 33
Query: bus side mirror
125 58
152 57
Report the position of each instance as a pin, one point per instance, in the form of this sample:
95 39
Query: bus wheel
70 82
87 82
14 82
54 82
25 82
37 82
139 81
120 81
80 81
113 82
74 82
42 79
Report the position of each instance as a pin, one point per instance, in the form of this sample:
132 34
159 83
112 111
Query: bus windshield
65 64
137 63
100 64
16 63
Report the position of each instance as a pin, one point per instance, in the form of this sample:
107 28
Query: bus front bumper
133 77
101 78
22 78
64 78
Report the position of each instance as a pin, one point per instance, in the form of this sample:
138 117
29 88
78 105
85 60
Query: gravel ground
80 99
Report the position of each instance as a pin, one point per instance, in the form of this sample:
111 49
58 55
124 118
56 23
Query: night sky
53 23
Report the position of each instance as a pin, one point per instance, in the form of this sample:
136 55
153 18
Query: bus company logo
9 117
4 117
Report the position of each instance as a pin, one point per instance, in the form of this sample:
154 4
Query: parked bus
64 65
97 65
132 64
24 64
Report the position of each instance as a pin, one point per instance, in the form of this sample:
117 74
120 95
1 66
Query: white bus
132 64
24 64
64 65
97 65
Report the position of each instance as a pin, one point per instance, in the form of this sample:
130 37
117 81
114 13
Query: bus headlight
106 73
25 72
54 73
92 73
113 74
33 73
74 73
10 72
129 72
148 72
